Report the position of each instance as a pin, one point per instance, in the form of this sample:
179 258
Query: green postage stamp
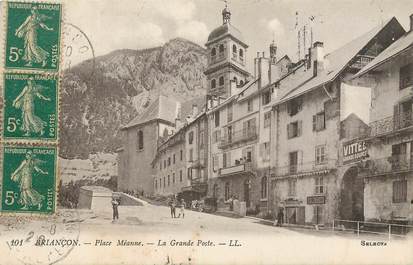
29 179
33 36
30 107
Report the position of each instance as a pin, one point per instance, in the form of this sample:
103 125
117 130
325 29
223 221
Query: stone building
170 166
307 132
388 183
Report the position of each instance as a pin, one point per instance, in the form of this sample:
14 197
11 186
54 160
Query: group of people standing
174 203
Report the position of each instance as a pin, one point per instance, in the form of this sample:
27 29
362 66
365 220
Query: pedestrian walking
280 217
172 206
115 204
182 209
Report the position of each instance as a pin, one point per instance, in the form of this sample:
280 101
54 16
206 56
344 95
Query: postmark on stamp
31 106
29 179
33 36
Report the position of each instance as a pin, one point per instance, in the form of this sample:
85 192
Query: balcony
248 134
390 125
237 169
361 61
390 164
304 169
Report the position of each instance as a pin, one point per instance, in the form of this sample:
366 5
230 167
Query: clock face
77 48
42 240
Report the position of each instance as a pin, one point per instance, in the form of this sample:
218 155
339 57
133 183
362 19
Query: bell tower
227 54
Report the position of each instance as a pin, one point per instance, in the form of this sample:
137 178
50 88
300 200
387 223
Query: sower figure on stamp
33 53
23 176
115 204
25 102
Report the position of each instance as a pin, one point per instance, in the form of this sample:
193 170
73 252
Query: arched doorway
352 196
247 187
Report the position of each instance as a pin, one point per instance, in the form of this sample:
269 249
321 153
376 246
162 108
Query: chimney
411 22
273 53
178 123
262 70
194 110
233 87
317 57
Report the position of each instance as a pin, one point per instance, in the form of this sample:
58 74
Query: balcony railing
390 124
390 164
305 168
245 135
361 61
239 168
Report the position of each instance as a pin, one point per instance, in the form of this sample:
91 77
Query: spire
226 14
273 50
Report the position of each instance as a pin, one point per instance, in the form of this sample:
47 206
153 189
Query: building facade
388 183
310 183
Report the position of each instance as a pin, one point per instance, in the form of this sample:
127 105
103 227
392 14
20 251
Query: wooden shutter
396 116
229 159
299 128
314 122
288 131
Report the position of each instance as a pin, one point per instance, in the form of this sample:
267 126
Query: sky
138 24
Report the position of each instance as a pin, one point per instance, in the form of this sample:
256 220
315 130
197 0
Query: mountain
100 95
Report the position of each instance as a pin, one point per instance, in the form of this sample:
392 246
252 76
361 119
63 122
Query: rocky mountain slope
99 97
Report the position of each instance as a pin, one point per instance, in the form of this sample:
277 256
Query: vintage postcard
206 132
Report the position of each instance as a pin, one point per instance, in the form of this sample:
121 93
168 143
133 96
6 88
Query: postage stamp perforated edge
4 19
56 180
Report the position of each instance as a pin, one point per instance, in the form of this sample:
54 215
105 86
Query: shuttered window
406 76
294 129
319 122
399 191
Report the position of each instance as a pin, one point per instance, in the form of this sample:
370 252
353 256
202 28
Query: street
200 238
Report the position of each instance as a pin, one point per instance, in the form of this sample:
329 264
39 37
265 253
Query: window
201 139
234 48
213 83
266 98
164 183
160 182
403 114
190 137
216 136
249 128
293 159
213 52
180 175
173 177
235 80
215 162
181 155
174 159
264 187
221 81
227 191
320 154
216 118
406 76
229 112
169 180
169 161
399 191
191 155
292 185
399 159
156 184
319 122
267 119
226 159
294 129
221 49
140 140
319 185
249 105
294 106
189 173
265 151
241 53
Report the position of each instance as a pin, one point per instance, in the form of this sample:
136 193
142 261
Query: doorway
352 196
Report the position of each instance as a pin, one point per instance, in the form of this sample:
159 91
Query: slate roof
404 43
335 63
162 108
